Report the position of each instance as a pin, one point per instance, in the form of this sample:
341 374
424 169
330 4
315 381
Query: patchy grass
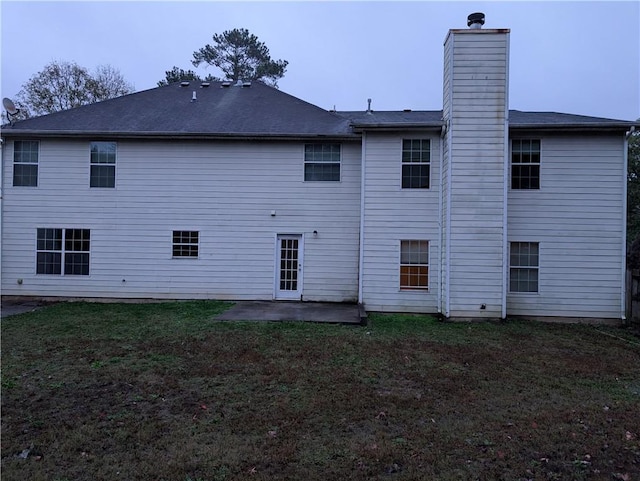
162 392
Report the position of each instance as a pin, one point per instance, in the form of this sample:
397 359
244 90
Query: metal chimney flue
475 21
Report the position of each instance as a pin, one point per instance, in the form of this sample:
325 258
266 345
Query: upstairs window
25 163
103 164
322 162
414 264
63 252
525 164
524 263
185 243
416 163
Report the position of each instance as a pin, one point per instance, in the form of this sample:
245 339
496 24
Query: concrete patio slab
336 313
11 308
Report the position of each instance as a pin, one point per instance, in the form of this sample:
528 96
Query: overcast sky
574 57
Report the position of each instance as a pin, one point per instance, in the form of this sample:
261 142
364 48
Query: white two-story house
241 191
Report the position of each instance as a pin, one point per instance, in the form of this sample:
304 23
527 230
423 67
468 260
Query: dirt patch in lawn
162 392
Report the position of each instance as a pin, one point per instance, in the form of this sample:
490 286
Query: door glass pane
288 264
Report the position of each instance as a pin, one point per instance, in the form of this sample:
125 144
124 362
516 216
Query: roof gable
219 109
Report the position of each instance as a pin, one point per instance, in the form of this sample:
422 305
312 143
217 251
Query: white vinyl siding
445 168
476 68
393 214
195 185
577 217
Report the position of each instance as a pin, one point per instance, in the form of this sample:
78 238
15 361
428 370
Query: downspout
1 198
447 252
625 162
443 132
505 239
362 199
505 191
449 134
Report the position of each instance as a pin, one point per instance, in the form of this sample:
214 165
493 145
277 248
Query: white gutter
447 299
505 187
443 132
623 294
362 199
1 197
447 253
448 123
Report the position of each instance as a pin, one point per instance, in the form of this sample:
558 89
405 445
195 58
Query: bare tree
66 85
109 83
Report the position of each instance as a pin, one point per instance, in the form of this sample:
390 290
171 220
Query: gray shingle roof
517 120
402 119
255 111
521 119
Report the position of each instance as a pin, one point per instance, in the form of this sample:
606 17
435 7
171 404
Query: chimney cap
475 20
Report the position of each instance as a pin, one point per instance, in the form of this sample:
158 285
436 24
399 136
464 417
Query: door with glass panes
289 267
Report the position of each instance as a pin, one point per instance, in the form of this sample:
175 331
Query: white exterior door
289 250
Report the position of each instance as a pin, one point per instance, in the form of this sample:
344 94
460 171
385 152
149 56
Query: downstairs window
185 243
63 252
414 265
524 264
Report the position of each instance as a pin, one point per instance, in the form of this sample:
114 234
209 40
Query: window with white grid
322 162
63 251
524 266
525 164
185 243
414 264
25 163
103 164
416 163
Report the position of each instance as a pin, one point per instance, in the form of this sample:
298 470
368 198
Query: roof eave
618 127
397 126
77 134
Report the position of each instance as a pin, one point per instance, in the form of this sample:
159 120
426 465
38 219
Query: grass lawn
162 392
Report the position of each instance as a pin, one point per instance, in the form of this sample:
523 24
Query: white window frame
63 251
535 268
320 162
407 287
537 164
36 163
182 243
409 163
103 164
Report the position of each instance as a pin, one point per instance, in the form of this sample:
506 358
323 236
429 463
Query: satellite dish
9 106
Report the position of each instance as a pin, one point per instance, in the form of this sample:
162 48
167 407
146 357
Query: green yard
162 392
